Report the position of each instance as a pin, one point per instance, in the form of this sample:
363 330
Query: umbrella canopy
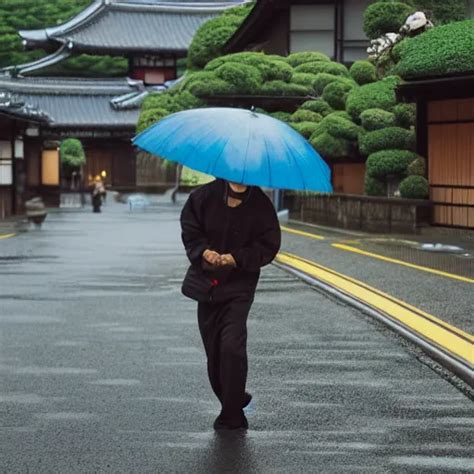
240 146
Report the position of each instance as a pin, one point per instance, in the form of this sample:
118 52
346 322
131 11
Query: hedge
302 115
317 105
283 89
208 88
444 11
374 187
440 51
380 94
305 128
385 163
317 67
329 146
340 127
405 115
374 119
149 117
335 93
283 116
363 72
385 139
72 153
321 80
417 167
414 187
245 79
304 79
385 17
296 59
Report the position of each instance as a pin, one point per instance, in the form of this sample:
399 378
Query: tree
72 153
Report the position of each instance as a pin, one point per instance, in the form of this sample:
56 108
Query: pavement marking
433 329
302 233
348 248
6 236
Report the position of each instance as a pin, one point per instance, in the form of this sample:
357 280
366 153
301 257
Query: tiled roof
120 26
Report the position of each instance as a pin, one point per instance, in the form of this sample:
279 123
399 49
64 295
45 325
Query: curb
446 359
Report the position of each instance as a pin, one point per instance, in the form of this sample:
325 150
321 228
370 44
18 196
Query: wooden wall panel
450 110
348 178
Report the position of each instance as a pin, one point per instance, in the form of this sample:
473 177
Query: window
6 176
355 43
312 28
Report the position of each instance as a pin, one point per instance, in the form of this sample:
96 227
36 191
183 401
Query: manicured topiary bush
296 59
444 11
317 105
374 187
335 93
440 51
149 117
385 139
414 187
405 115
363 72
317 67
245 79
340 127
283 89
321 80
211 36
185 100
385 163
305 128
417 167
328 146
380 94
385 17
375 119
303 79
302 115
208 88
72 153
283 116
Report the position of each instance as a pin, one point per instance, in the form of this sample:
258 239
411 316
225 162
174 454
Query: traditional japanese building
282 27
154 35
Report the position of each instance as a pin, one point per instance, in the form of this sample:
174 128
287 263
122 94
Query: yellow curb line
401 262
6 236
301 233
448 337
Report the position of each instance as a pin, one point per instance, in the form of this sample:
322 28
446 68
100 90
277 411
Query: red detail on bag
214 282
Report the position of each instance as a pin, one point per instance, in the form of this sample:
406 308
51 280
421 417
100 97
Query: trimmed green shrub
149 117
330 147
444 11
304 79
296 59
405 115
317 105
363 72
340 127
414 187
374 187
380 94
302 115
440 51
343 114
72 153
283 116
417 167
158 100
375 119
385 139
389 163
283 89
211 87
244 78
305 128
185 100
335 93
212 35
385 17
317 67
321 80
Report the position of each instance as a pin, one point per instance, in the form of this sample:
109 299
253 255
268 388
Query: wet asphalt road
102 368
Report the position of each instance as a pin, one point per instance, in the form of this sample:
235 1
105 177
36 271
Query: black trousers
223 328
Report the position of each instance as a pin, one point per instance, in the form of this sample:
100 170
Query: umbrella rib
296 163
268 161
246 151
216 159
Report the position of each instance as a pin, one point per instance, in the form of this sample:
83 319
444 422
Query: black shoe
247 399
221 424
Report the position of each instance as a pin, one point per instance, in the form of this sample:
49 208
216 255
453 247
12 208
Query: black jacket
250 232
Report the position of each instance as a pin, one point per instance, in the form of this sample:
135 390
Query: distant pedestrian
229 232
98 191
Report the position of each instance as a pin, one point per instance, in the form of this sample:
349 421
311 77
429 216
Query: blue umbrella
240 146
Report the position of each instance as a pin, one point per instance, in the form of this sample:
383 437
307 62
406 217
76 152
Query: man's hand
227 260
211 257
